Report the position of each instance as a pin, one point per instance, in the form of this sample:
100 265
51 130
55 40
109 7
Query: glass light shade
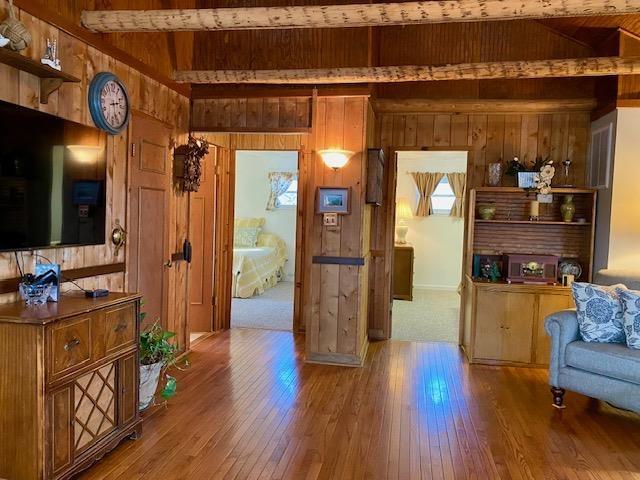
334 158
403 209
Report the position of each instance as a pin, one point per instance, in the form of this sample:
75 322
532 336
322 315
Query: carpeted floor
273 310
432 316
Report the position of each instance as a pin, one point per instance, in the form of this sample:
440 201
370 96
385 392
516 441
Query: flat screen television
52 181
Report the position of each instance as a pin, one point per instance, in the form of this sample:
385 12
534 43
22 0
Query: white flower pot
149 377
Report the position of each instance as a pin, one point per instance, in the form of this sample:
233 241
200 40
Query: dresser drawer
69 345
120 327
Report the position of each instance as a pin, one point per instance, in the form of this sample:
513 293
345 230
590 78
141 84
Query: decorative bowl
487 212
570 267
34 294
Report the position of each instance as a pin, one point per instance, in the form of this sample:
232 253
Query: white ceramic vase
149 377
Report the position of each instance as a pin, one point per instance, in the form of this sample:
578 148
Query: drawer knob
72 344
120 327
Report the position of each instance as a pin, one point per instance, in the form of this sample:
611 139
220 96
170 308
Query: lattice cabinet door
95 395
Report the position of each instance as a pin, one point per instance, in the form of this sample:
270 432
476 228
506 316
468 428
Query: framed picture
375 174
333 200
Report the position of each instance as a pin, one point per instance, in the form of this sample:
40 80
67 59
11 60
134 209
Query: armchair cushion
631 307
613 360
599 313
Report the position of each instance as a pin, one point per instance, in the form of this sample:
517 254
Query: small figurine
51 55
567 164
494 272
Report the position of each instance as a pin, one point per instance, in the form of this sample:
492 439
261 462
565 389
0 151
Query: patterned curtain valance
279 183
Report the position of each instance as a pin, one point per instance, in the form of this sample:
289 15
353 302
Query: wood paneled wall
70 102
163 51
335 302
278 115
489 137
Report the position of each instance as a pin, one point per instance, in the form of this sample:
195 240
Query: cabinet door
60 429
548 304
403 273
128 384
504 325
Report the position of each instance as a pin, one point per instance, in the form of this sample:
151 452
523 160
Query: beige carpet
432 316
273 310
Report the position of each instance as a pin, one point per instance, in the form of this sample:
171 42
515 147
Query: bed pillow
245 237
630 300
599 313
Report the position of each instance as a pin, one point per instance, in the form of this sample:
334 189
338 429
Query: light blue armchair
606 371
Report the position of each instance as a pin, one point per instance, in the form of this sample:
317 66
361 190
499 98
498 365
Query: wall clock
109 103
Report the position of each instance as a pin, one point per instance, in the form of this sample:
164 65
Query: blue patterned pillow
599 313
631 307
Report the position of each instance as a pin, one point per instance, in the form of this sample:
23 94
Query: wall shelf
50 79
530 222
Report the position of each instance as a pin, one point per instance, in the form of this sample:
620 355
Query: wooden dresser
403 272
68 383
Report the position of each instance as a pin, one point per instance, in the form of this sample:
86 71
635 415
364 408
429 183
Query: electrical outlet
330 219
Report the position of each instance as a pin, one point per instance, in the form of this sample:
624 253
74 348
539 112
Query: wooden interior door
201 221
148 251
223 194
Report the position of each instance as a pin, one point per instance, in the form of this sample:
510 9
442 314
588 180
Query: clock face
109 103
114 104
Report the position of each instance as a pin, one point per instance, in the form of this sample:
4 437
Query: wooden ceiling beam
571 67
341 16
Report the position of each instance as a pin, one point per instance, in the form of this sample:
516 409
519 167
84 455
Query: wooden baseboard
339 359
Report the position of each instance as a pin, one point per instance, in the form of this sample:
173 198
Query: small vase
495 174
568 209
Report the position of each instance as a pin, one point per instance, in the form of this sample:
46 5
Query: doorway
265 239
429 245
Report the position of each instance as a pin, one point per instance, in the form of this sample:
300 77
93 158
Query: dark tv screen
52 181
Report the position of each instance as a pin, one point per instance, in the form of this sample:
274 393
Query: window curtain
426 183
279 183
457 181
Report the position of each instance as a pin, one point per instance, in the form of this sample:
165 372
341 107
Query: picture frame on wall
375 174
333 200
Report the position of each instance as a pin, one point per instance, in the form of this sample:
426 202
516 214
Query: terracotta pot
149 377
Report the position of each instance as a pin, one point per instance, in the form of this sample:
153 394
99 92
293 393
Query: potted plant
157 354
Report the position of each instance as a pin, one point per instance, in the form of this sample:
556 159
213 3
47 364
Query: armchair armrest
272 240
563 329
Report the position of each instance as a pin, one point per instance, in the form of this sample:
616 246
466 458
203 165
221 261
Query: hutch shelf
504 323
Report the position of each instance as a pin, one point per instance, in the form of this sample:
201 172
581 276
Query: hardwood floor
249 408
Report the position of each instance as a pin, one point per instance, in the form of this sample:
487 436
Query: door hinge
213 301
133 149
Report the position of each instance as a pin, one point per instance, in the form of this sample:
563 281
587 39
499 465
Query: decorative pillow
244 237
599 313
630 300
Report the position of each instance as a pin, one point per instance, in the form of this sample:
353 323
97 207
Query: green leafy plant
156 347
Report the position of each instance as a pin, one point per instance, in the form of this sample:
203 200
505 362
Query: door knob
168 263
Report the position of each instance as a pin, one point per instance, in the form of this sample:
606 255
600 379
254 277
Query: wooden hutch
503 323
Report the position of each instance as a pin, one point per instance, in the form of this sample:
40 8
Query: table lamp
403 213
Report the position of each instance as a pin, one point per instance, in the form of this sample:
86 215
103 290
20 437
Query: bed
258 268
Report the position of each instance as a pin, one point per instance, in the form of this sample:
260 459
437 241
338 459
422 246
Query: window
443 198
290 197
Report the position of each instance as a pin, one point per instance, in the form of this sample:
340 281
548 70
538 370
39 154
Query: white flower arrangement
543 179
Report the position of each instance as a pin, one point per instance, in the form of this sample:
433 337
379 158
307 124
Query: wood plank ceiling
361 47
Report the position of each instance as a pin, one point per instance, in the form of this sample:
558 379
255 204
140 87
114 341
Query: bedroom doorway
429 244
264 239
